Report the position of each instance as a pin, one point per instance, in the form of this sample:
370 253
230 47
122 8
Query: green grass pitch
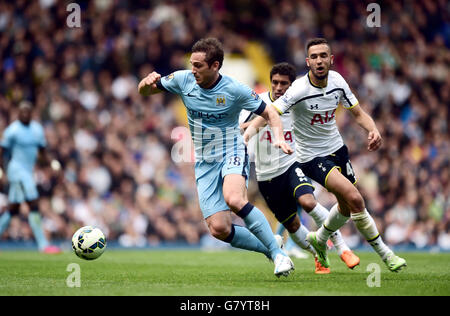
222 273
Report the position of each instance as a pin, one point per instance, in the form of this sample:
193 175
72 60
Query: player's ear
215 65
332 59
307 61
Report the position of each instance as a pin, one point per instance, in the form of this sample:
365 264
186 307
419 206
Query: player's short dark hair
316 41
213 49
284 69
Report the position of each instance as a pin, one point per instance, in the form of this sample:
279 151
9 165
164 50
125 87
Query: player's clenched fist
147 85
375 140
284 147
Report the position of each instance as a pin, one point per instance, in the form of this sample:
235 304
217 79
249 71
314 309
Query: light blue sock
34 219
241 237
280 230
5 219
257 223
289 244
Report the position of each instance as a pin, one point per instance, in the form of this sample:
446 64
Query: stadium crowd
115 146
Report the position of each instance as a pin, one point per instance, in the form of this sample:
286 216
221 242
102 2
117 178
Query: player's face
204 74
25 115
319 60
280 83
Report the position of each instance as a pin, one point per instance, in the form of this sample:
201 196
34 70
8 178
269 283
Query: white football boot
283 265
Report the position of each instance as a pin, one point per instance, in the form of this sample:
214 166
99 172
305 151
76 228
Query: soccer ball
88 243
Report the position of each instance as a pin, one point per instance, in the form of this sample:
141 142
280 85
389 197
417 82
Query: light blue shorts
22 188
209 179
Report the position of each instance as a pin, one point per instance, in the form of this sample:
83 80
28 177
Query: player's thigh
29 187
16 194
235 171
209 188
344 190
342 159
279 199
235 191
301 187
21 190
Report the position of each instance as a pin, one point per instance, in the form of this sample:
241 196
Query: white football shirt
270 162
313 113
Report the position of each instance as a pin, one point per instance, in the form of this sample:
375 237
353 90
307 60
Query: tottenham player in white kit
322 154
281 180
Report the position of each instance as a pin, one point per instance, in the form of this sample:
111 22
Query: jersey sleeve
250 100
7 138
292 95
245 116
348 99
174 82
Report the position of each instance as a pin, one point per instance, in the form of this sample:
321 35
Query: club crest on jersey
255 95
220 100
169 77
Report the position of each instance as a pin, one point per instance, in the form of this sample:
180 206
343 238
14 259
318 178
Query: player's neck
26 123
213 82
316 82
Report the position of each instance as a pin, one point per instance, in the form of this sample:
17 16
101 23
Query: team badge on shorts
320 165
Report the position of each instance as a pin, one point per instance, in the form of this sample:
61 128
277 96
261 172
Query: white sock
338 242
319 214
367 227
299 237
332 223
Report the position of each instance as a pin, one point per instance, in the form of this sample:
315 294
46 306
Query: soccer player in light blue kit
23 140
213 102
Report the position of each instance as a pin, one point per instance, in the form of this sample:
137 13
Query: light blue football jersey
23 142
213 113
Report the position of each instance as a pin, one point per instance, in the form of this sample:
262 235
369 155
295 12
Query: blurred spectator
115 145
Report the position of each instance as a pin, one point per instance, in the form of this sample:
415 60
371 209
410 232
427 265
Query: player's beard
322 75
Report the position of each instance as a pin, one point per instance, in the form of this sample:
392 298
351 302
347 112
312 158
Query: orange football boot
320 269
350 259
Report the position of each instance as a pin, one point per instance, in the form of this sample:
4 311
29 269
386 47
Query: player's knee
307 202
235 202
219 230
356 202
293 226
14 209
34 206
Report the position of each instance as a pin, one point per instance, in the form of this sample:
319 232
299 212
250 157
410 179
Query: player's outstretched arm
271 116
252 129
365 121
148 86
